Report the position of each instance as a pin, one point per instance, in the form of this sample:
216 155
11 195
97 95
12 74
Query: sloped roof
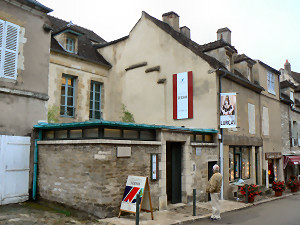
296 76
96 123
188 43
215 45
86 51
286 83
268 67
243 57
193 46
36 5
58 24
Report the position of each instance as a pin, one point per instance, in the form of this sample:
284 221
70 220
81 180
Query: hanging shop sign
183 95
273 155
228 110
136 185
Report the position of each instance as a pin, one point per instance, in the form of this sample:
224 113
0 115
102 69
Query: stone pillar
186 176
226 172
163 200
260 160
252 165
280 169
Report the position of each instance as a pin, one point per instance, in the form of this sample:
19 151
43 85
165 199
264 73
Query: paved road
284 211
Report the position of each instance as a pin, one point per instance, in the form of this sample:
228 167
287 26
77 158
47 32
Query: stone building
77 74
85 164
24 63
290 119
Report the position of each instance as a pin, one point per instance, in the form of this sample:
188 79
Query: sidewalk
183 213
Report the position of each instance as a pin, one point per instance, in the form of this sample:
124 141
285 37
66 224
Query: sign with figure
136 185
228 110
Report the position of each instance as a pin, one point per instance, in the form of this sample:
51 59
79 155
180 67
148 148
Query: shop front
291 166
273 160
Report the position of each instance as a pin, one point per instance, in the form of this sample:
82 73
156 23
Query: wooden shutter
2 26
11 51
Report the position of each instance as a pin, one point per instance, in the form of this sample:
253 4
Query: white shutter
2 26
11 51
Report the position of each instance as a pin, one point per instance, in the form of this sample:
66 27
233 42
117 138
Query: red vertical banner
175 96
190 94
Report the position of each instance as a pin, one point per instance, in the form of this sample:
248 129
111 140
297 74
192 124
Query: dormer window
70 45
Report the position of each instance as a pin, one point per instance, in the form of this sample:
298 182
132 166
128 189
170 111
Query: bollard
246 196
137 213
194 202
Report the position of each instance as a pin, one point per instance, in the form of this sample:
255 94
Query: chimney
172 19
225 34
186 31
287 68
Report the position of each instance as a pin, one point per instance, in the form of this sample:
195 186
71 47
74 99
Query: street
279 212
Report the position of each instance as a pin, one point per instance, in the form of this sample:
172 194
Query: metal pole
246 189
194 202
137 213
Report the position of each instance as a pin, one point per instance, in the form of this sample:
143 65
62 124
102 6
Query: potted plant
252 192
278 187
293 184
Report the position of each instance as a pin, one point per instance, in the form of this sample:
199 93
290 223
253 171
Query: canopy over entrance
291 159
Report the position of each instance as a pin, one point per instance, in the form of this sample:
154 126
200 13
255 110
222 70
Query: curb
241 208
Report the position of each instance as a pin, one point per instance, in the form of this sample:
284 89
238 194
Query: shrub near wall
90 177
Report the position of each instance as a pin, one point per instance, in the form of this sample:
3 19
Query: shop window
239 163
231 165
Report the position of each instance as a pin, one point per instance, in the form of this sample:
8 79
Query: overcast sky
268 30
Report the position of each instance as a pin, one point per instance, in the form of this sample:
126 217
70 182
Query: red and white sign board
136 185
183 95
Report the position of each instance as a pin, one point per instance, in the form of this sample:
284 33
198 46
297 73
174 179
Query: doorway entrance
210 172
173 164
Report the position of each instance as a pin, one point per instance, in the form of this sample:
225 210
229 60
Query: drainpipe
221 132
35 164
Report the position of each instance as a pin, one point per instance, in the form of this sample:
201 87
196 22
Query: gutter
35 165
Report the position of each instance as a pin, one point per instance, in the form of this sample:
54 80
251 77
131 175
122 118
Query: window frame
238 151
13 53
67 77
70 43
271 83
93 99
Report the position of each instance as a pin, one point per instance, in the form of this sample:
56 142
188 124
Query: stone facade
90 177
23 99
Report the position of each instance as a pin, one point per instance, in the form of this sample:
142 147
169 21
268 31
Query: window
251 118
95 100
271 83
239 163
70 45
9 39
67 105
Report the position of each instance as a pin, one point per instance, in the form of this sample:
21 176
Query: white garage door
14 169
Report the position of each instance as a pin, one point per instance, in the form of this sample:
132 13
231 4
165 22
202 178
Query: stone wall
90 177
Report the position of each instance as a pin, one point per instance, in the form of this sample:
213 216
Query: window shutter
11 51
1 46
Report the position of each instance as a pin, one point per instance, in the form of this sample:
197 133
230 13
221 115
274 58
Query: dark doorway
210 172
174 155
271 172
